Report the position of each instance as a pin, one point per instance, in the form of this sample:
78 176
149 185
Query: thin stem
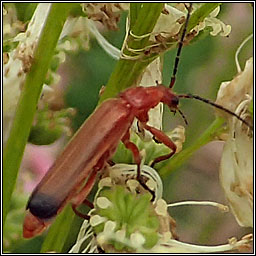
238 51
185 154
221 207
26 107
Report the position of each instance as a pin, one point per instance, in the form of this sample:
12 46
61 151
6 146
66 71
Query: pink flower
36 162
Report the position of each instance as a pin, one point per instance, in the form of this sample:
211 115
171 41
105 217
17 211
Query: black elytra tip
43 206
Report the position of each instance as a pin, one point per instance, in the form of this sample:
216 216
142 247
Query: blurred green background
203 66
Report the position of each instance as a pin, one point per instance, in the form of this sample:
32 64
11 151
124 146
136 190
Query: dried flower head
17 62
232 93
106 13
236 169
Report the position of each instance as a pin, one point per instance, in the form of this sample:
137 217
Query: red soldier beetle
90 149
74 173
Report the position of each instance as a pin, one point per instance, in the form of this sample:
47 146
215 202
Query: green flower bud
133 215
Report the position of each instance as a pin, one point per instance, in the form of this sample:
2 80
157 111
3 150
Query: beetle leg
88 203
83 193
81 215
135 151
136 155
111 163
156 141
162 137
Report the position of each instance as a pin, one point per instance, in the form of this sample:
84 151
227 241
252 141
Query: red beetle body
90 149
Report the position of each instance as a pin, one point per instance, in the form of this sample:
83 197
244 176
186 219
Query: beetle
90 149
74 173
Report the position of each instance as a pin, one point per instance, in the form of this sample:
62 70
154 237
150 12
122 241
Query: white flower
236 168
218 27
171 23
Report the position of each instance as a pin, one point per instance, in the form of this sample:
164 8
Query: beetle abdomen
43 206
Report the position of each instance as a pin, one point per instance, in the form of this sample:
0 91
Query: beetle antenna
190 96
183 116
177 58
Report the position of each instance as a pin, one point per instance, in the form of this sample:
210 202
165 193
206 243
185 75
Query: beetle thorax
142 98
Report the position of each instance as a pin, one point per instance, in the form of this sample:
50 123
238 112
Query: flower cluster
126 218
18 58
168 28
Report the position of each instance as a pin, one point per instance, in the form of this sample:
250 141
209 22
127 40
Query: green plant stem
30 93
134 11
127 71
183 156
58 231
